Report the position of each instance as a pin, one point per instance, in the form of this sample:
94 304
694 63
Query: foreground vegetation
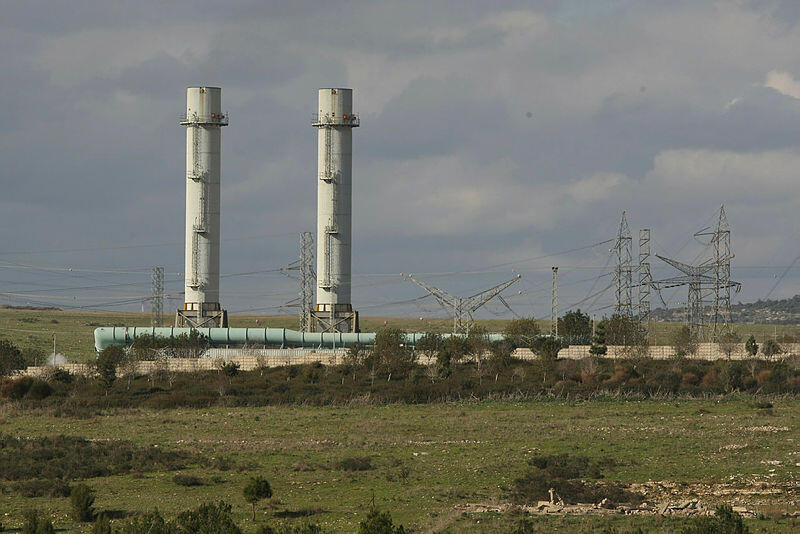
425 464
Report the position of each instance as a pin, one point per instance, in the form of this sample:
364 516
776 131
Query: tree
256 489
378 522
391 351
107 362
771 348
11 358
521 332
82 500
728 343
624 331
684 342
575 327
751 346
547 347
599 347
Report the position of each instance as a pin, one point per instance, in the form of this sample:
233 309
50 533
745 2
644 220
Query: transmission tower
554 305
307 280
463 307
157 301
622 271
712 276
645 279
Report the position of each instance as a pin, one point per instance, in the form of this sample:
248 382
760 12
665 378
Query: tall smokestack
203 120
334 122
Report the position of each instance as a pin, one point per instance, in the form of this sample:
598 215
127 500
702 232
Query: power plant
334 122
204 120
332 321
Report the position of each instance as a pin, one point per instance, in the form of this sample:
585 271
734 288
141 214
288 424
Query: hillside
783 311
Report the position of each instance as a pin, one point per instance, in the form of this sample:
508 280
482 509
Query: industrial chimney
203 120
335 122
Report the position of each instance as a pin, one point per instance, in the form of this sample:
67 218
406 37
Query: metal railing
351 120
220 119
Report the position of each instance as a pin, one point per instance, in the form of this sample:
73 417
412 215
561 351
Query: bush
229 369
355 463
11 358
102 525
378 522
207 519
771 348
724 521
43 488
33 522
149 523
182 479
751 346
684 342
82 501
565 474
521 332
546 347
107 361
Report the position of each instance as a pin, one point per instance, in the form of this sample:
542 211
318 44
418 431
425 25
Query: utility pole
554 305
622 271
157 300
463 307
645 280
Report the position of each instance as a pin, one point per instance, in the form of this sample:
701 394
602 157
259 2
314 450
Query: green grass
453 453
74 330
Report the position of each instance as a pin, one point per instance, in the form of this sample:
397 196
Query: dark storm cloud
489 132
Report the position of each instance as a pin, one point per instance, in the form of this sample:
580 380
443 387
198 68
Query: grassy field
74 331
430 461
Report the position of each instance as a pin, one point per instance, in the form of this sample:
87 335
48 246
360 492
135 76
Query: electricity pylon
622 271
463 307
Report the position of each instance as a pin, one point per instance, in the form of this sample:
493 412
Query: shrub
546 347
751 346
521 332
107 361
207 519
229 369
102 525
771 348
564 473
82 501
149 523
355 463
182 479
43 488
11 358
378 522
34 522
724 521
684 342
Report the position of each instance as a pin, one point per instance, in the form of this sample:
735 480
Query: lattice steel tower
622 271
307 280
463 307
157 300
645 279
554 305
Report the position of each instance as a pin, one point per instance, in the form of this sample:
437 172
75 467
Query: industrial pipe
125 335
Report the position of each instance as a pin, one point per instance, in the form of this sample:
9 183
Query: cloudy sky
495 136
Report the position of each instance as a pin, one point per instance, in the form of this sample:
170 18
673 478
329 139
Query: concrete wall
249 359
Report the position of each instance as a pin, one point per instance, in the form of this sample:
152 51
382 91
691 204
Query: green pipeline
282 337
